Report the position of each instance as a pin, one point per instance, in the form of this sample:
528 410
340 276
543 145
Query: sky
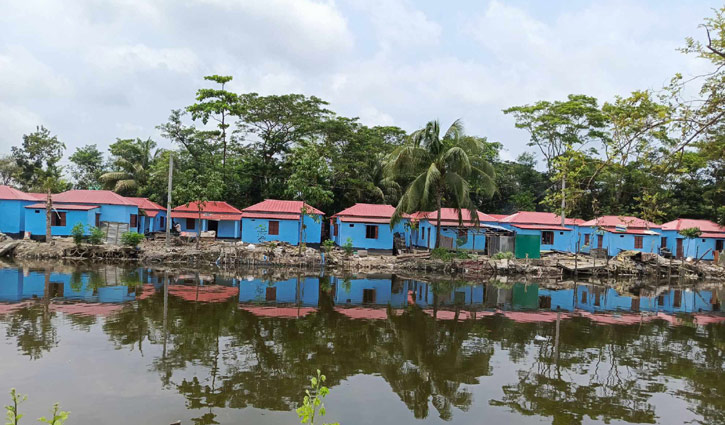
92 71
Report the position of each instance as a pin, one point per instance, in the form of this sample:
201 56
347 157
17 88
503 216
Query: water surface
118 346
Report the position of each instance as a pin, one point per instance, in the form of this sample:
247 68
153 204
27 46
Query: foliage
347 247
88 167
132 159
503 255
9 170
691 233
441 253
310 180
313 404
96 235
328 245
77 232
58 417
37 158
132 238
11 411
441 167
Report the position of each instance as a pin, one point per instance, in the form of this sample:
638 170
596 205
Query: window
368 296
190 224
586 240
134 220
334 229
98 220
545 302
638 242
274 227
663 243
719 244
422 234
162 222
271 294
677 302
351 225
584 297
371 232
57 219
547 238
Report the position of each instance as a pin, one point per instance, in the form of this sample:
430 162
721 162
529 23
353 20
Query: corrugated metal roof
713 235
209 207
450 215
38 195
279 206
206 216
372 220
70 207
534 217
367 210
627 221
688 223
145 203
102 197
11 194
498 216
630 230
540 227
273 216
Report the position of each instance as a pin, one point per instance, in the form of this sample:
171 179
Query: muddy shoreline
229 256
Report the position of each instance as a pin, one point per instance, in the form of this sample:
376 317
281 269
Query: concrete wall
118 213
12 216
35 221
227 228
694 248
475 240
615 242
564 240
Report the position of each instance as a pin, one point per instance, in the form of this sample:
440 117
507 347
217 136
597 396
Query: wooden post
168 203
48 217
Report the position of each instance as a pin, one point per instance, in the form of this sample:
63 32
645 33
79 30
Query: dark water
117 346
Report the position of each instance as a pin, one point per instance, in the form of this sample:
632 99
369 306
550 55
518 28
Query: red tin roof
533 217
12 194
706 226
367 213
272 216
449 217
145 203
103 197
274 206
574 221
498 216
70 207
212 210
38 195
541 227
626 221
631 231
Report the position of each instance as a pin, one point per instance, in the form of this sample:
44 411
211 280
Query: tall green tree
9 170
132 160
38 158
310 180
442 166
201 188
88 167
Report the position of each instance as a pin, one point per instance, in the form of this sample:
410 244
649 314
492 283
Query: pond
119 346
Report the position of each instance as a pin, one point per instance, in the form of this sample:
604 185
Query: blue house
216 216
88 207
710 243
459 232
615 234
12 210
283 221
367 226
547 226
152 216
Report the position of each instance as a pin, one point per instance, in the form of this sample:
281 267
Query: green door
528 246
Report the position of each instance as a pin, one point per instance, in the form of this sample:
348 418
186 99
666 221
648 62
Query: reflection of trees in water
33 330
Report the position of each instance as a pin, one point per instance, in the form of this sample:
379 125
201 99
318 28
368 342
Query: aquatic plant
58 416
13 416
328 245
312 403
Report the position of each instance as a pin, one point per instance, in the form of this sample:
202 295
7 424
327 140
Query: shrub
97 236
508 255
348 246
441 253
131 238
328 245
77 233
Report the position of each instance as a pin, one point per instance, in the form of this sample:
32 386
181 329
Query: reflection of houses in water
304 291
101 286
594 299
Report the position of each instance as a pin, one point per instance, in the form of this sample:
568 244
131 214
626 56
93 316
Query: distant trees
88 165
37 159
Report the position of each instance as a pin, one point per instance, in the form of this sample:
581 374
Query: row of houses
364 226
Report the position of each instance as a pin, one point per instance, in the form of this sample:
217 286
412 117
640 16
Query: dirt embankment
227 255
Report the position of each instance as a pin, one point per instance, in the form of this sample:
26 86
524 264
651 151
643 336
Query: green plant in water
312 403
348 246
507 255
58 416
77 233
96 235
11 410
132 238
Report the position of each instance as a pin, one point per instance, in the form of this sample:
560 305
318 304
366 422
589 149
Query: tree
37 158
310 180
219 105
88 167
9 169
690 234
132 160
199 188
441 167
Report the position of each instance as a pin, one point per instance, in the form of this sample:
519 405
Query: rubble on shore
229 255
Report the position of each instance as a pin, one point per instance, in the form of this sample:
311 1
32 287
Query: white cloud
15 121
137 57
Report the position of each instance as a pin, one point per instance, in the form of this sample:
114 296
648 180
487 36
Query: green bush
132 238
328 245
97 236
503 255
77 233
348 246
441 253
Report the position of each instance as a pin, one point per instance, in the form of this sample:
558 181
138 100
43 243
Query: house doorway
600 241
680 250
213 225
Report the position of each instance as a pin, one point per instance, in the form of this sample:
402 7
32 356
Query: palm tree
132 171
384 186
442 169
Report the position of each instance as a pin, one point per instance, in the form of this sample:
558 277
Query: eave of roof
69 207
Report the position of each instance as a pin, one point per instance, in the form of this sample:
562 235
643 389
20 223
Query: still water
118 346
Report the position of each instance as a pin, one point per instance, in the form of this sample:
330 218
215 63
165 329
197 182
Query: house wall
12 213
227 228
564 240
118 213
356 231
615 243
35 221
289 230
476 239
694 248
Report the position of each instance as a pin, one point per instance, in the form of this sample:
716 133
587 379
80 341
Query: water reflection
235 342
